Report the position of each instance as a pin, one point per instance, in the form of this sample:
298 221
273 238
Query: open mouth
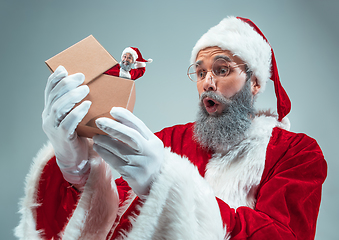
211 105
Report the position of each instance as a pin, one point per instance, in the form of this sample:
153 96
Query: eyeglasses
220 68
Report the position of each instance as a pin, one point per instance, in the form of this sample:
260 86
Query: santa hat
137 57
245 40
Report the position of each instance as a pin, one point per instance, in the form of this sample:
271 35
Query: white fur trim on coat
235 176
181 205
96 210
243 41
98 206
124 74
27 227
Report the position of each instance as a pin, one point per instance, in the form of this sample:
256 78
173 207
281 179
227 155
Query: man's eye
201 74
221 70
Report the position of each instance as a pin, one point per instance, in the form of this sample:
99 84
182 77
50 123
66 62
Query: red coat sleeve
56 198
289 194
114 71
123 222
138 72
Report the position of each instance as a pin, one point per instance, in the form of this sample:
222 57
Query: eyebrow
227 59
198 62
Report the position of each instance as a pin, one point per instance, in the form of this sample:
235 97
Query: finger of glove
116 147
121 132
115 161
62 87
73 118
65 103
52 118
129 119
53 79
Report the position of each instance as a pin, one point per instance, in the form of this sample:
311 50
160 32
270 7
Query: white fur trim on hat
243 41
139 64
131 51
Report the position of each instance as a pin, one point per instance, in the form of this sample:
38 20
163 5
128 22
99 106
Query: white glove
131 149
59 123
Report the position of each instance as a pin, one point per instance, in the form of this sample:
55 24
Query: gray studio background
304 35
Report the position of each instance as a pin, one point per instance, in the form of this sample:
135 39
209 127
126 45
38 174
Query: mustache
126 63
215 96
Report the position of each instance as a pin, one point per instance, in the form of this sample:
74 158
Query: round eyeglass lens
221 67
193 74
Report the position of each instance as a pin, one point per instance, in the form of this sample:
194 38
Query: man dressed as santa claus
132 65
234 173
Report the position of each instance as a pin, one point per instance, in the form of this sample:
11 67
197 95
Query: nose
209 82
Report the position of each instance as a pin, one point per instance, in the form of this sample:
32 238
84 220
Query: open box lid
86 56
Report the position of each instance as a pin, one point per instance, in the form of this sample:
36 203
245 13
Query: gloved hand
131 149
59 122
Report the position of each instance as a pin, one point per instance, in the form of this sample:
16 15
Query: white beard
220 132
126 67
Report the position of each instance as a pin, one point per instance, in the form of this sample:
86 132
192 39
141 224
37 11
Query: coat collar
236 174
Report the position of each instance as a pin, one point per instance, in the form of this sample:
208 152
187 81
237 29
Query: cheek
200 88
231 87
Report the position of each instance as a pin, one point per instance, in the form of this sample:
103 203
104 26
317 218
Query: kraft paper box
91 59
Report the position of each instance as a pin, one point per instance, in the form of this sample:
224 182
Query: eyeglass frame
220 58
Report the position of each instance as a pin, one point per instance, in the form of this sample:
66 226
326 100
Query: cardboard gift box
91 59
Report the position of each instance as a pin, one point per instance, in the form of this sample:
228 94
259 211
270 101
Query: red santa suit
267 187
139 65
133 74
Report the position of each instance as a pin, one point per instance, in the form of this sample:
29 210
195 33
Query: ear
255 87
